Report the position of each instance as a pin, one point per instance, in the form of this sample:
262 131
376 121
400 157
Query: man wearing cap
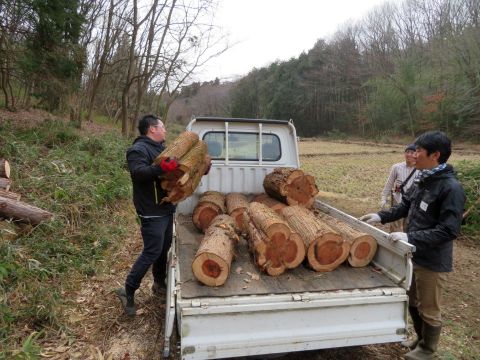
398 182
156 215
434 208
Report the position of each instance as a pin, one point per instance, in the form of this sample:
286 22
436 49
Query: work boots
417 325
127 296
426 347
158 289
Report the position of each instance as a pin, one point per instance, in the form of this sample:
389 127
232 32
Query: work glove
383 203
398 236
169 164
371 218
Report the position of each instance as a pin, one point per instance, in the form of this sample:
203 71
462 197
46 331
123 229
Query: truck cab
298 310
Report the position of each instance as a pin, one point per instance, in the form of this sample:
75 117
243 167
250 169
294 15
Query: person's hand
383 203
398 236
169 164
371 218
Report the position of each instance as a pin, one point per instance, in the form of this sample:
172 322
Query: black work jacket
147 192
434 209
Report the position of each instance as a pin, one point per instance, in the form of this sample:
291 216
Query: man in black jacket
433 207
156 216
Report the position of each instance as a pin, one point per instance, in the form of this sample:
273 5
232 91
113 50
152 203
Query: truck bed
299 280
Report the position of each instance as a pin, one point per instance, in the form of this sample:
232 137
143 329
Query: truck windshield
243 146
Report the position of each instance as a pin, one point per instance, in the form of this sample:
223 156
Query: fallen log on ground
273 243
5 183
10 195
326 249
237 203
291 186
18 210
362 246
4 169
210 205
213 259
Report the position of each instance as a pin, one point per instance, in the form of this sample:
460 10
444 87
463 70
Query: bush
469 175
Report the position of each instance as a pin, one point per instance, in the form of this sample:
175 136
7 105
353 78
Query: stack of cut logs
191 153
279 236
11 208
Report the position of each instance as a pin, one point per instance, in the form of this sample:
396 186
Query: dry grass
355 172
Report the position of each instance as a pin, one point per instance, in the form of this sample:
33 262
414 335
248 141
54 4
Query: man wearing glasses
156 216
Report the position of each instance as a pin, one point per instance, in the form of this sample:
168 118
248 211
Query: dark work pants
157 238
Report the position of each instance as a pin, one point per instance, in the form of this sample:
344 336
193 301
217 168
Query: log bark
272 203
362 246
274 245
5 183
179 147
10 195
189 174
237 203
4 169
210 204
291 186
192 161
23 212
326 249
213 259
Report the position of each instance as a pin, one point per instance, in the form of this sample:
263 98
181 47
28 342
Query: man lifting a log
156 216
434 206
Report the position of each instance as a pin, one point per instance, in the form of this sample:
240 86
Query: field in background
351 176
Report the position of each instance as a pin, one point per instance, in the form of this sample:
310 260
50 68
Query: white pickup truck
298 310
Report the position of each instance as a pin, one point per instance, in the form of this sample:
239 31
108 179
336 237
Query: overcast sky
270 30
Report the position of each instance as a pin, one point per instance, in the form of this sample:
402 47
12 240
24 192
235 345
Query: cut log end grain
302 191
362 246
210 204
328 252
296 251
210 269
362 251
205 216
274 245
213 259
4 169
291 186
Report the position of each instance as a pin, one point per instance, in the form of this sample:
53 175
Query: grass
83 181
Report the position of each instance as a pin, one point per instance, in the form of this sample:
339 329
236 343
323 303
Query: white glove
371 218
383 203
398 236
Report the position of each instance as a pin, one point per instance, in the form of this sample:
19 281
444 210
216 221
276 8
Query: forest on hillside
406 67
116 58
